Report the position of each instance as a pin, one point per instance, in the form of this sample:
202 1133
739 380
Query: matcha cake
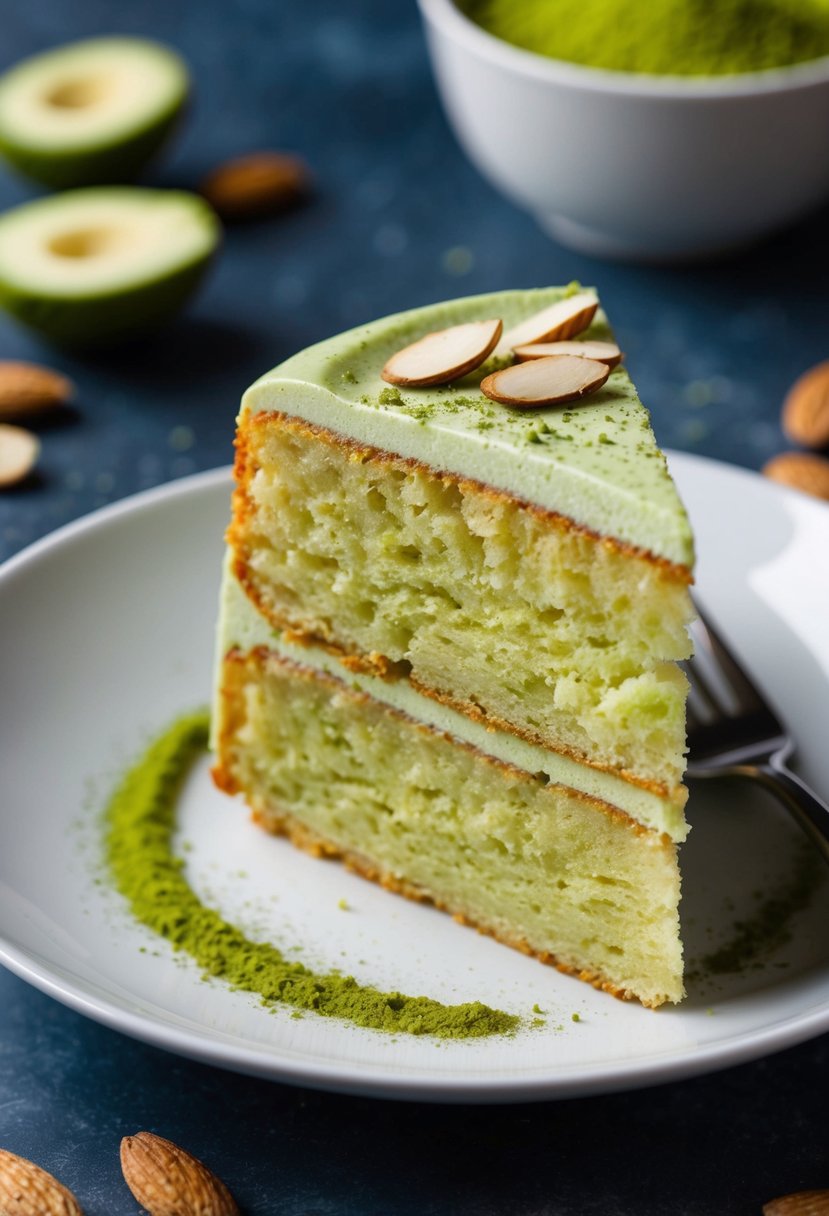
450 623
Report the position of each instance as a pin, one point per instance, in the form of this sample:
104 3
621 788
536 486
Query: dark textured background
398 219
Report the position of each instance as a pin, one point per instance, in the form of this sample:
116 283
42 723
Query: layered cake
454 598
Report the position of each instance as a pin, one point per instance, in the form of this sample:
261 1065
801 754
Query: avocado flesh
92 112
91 267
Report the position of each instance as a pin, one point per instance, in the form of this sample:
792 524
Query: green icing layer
240 625
596 463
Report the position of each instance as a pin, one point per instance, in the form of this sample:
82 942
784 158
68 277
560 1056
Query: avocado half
91 112
95 266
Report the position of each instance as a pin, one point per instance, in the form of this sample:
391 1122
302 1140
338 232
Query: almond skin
167 1181
256 185
801 471
28 1190
28 388
553 380
806 408
802 1203
602 352
445 355
555 323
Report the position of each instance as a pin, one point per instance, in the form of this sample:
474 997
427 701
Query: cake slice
448 643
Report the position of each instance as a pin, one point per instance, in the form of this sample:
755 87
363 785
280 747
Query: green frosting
240 624
663 37
140 821
596 462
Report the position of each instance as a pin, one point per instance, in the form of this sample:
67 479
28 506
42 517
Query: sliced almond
550 381
806 408
603 352
801 471
28 1190
28 388
558 321
168 1181
801 1203
18 453
443 355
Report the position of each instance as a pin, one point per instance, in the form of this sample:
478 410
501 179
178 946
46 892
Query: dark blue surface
398 219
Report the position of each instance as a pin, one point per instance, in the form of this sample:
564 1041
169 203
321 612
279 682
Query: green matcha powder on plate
140 823
662 37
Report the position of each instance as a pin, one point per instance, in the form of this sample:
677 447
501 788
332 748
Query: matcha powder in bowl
662 37
647 130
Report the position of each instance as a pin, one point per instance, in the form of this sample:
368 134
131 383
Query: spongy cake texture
499 610
508 611
542 868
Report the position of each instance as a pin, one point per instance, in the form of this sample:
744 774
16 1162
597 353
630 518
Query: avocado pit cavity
88 242
79 93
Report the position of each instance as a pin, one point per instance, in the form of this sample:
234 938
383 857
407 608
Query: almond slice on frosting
603 352
549 381
443 355
561 320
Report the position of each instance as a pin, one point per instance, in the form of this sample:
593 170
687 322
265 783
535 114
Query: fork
734 732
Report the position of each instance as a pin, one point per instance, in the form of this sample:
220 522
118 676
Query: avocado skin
107 318
122 155
86 323
117 162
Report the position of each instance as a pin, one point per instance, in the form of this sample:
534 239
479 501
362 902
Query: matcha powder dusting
140 822
662 37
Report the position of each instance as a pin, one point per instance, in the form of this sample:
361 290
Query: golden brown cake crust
244 468
262 659
280 822
380 665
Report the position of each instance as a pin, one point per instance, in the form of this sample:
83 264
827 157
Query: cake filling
451 620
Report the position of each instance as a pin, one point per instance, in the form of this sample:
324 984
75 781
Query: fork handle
811 812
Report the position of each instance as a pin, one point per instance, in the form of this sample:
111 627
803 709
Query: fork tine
753 742
745 692
703 704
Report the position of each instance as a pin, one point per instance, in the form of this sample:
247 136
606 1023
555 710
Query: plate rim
341 1075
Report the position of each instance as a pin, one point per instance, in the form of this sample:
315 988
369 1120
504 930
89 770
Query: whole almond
167 1181
802 1203
28 1190
801 471
28 388
806 408
259 184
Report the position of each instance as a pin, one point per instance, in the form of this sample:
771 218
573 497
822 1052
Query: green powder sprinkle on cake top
662 37
140 822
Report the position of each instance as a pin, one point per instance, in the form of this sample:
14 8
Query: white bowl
633 166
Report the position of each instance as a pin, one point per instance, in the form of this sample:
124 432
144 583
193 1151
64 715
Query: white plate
106 634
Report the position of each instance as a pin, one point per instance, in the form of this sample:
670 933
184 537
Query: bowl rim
445 16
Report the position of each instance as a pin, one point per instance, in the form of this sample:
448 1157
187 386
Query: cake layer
244 631
546 869
448 645
506 611
597 464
